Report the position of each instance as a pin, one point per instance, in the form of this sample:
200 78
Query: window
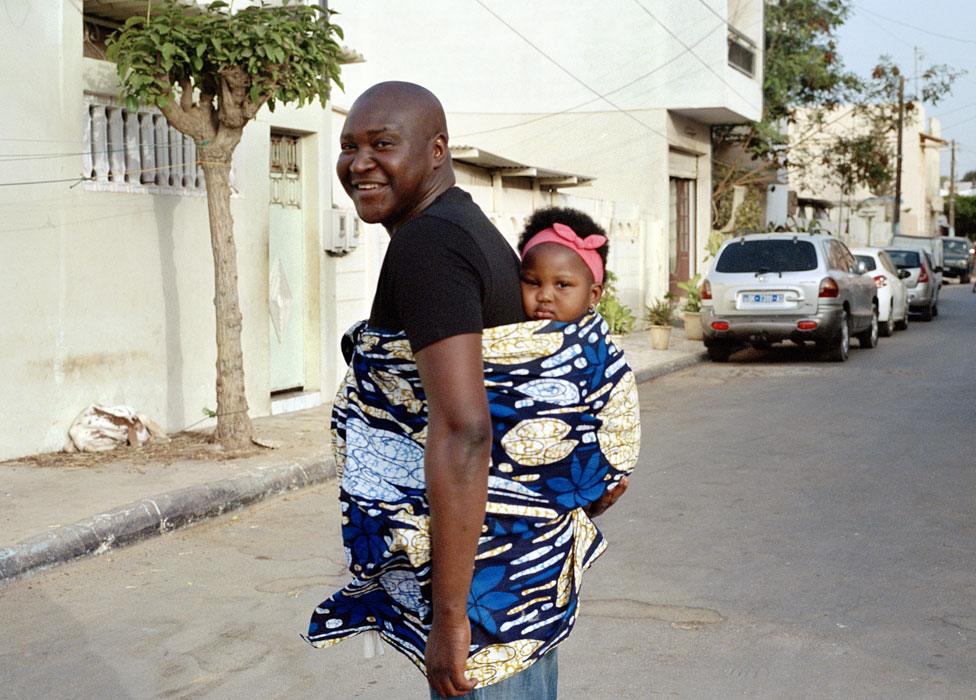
848 259
776 255
888 264
742 52
868 261
905 258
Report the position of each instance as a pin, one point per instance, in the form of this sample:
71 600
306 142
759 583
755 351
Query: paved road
797 529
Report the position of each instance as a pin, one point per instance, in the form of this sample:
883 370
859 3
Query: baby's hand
609 497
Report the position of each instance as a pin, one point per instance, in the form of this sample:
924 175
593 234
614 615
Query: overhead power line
569 72
575 107
916 27
75 180
681 41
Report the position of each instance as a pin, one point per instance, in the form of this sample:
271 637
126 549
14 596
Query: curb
169 511
649 373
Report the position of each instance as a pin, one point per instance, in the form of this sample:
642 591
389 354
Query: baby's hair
582 224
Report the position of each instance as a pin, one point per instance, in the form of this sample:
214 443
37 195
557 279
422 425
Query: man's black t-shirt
447 272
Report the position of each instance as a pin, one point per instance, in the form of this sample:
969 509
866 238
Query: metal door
681 221
286 266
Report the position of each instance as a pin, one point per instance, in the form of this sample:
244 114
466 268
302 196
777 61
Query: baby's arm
609 497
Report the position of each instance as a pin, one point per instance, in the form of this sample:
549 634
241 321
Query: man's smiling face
386 161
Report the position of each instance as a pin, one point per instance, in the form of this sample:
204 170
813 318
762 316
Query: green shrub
618 316
661 312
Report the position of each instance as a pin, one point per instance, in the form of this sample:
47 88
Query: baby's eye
563 285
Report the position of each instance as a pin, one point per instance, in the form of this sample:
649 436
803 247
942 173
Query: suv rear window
905 258
868 261
768 256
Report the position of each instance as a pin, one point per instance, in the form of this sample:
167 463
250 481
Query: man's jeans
538 682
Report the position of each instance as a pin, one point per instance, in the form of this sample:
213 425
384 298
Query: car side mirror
904 274
860 267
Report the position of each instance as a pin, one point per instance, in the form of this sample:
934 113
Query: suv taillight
706 290
880 281
828 288
923 275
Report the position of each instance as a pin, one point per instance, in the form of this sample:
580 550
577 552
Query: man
448 274
442 286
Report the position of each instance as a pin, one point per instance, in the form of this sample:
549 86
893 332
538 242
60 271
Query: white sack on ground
102 428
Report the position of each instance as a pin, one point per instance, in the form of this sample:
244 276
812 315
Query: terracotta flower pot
693 325
660 337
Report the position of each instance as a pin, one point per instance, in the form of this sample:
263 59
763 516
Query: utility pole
952 191
896 222
918 55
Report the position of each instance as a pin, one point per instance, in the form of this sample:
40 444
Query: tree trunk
233 423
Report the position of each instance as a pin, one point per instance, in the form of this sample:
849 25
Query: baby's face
557 284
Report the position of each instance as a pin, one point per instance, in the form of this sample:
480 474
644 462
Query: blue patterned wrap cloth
566 427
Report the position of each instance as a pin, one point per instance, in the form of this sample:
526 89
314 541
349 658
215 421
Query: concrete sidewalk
52 514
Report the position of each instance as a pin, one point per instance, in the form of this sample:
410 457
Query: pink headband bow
584 247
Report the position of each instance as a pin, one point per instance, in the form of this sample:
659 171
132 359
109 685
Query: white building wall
108 296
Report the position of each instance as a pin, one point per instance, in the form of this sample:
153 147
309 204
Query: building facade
866 218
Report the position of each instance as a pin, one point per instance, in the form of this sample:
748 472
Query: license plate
761 298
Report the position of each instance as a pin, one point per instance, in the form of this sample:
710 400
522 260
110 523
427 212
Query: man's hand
609 497
447 651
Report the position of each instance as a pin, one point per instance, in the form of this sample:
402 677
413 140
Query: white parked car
892 295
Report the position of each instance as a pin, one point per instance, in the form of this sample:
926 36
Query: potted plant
691 310
619 317
660 314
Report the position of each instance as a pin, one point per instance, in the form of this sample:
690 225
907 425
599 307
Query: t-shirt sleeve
439 281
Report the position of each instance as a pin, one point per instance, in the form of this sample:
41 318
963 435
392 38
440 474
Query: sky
943 31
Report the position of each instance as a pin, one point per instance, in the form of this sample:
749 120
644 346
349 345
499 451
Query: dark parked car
957 258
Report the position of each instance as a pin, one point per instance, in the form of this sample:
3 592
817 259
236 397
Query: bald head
408 99
394 159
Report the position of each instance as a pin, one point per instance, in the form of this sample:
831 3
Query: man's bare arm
456 467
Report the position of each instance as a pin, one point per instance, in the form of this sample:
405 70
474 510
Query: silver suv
769 287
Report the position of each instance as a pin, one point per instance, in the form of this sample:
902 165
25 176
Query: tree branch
186 95
185 122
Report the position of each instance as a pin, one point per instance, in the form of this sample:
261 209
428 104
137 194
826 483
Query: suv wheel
869 337
718 353
838 348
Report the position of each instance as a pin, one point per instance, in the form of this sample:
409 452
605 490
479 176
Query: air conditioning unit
344 234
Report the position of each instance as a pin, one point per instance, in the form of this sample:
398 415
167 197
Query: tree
965 216
801 69
806 90
210 72
866 155
970 176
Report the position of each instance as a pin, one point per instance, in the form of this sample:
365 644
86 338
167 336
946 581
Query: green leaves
289 52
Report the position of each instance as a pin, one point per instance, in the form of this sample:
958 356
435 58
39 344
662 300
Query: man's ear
440 151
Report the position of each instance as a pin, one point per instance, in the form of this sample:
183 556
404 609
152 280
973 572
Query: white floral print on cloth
566 427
